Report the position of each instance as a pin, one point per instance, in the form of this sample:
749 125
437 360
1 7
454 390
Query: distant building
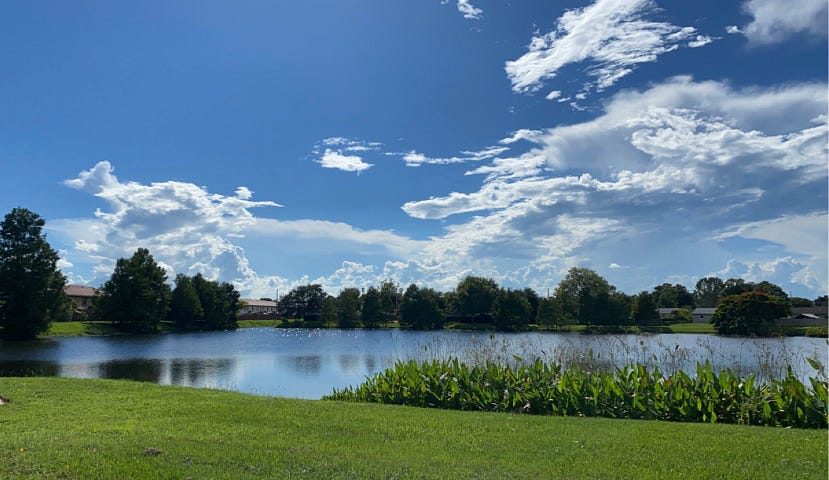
805 317
666 312
702 314
257 307
81 297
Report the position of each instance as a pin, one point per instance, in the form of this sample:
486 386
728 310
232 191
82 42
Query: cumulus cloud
682 159
188 229
611 36
346 163
777 20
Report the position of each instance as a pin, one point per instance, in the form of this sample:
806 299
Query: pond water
305 363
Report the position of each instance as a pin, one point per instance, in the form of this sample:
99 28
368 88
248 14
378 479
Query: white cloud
244 193
733 29
677 161
701 41
612 36
776 20
346 163
469 11
416 159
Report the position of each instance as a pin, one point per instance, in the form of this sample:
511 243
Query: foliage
512 311
821 301
390 299
643 311
31 286
681 315
476 296
136 297
534 300
348 308
800 302
203 433
749 313
372 312
328 311
420 310
817 332
707 292
584 295
631 392
672 296
549 313
185 306
220 303
303 301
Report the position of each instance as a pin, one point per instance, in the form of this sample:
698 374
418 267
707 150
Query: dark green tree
512 311
672 296
708 291
420 310
328 312
220 302
749 313
532 297
801 302
476 296
31 286
584 296
303 302
136 297
390 298
821 300
549 313
348 308
186 311
643 311
372 311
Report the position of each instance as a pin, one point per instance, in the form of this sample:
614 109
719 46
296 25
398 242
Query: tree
801 302
372 312
512 310
136 297
185 307
749 313
643 311
328 312
303 301
220 302
822 300
532 297
707 292
390 298
348 308
476 296
583 294
672 296
549 313
420 310
31 286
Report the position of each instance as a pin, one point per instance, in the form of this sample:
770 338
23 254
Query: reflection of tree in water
142 370
306 364
350 363
371 364
199 371
29 368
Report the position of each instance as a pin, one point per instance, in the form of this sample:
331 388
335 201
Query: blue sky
345 142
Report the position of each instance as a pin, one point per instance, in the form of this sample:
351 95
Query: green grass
257 323
70 428
690 328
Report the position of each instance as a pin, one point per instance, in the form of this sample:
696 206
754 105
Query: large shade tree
749 313
585 296
476 296
31 286
136 297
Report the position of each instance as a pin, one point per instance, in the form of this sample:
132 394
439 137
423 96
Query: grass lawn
70 428
691 328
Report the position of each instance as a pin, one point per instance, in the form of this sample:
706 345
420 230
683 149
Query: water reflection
310 363
199 372
142 370
306 364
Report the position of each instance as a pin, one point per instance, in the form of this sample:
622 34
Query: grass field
70 428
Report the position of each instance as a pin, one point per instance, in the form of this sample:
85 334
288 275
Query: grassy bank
68 428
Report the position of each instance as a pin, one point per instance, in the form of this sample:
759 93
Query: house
666 312
805 317
702 314
81 297
257 307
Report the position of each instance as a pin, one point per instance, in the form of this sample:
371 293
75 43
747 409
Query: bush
631 392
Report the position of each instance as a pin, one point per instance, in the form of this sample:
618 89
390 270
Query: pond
305 363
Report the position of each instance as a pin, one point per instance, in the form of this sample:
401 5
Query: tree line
137 298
